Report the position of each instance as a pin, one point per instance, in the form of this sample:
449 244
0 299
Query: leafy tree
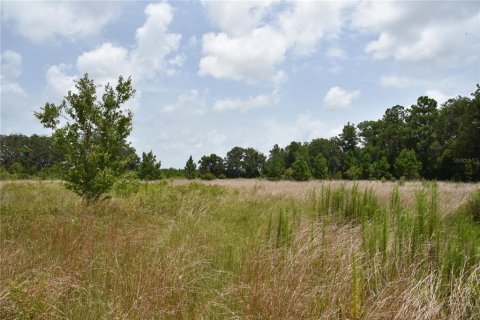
149 167
91 135
407 165
212 163
320 167
253 162
301 171
293 152
234 163
275 165
354 172
190 169
380 169
420 123
349 138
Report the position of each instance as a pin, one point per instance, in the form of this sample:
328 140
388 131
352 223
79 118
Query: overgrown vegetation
194 251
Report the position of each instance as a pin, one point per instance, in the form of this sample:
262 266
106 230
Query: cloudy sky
214 75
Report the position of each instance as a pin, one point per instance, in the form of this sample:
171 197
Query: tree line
423 141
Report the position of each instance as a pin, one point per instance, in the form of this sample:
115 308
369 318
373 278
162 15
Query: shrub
301 171
208 176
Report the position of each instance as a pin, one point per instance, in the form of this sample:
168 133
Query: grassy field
241 249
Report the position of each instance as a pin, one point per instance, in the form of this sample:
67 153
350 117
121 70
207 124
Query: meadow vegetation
241 249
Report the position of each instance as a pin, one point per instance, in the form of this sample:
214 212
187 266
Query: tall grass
191 251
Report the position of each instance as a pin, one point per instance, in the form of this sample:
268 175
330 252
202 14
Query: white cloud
420 31
395 82
41 21
237 17
438 95
11 70
339 99
58 82
254 48
191 102
106 63
252 58
259 101
151 54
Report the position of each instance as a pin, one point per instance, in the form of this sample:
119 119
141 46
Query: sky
214 75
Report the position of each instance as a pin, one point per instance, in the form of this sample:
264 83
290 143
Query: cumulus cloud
395 82
153 53
339 99
11 67
252 102
420 31
237 17
41 21
254 48
58 82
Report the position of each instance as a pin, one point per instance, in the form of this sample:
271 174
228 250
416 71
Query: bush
126 185
208 176
301 171
288 174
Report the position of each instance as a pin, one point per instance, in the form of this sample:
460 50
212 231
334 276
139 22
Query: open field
241 249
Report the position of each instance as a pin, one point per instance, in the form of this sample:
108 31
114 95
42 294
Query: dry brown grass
452 195
190 251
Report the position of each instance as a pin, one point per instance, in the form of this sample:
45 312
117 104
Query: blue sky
214 75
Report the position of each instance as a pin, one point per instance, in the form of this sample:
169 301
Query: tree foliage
300 170
149 167
190 169
91 134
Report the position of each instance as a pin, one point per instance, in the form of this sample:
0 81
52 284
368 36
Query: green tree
320 167
380 169
91 135
253 162
420 122
275 165
149 167
301 171
349 137
234 163
212 164
190 169
407 165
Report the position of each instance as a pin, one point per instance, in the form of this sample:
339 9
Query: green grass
157 251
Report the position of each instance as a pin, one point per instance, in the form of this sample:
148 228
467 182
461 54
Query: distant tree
212 163
420 123
320 167
253 163
407 165
381 169
301 171
234 163
275 165
354 172
349 138
91 135
190 169
149 167
293 152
